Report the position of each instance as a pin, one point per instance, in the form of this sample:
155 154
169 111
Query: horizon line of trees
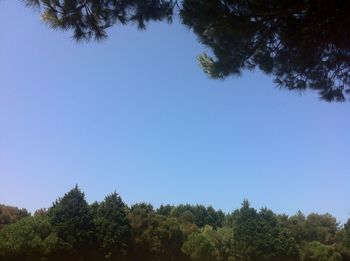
72 229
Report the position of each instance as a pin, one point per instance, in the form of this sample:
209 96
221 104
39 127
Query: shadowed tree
90 18
347 233
260 236
304 44
112 227
155 237
72 220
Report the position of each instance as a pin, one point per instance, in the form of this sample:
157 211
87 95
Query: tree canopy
303 44
10 214
73 229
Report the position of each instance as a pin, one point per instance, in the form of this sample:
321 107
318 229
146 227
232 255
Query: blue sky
137 115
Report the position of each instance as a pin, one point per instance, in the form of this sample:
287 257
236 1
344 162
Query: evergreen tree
259 236
112 227
90 18
72 220
304 44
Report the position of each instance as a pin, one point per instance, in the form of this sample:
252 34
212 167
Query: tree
296 225
155 237
31 238
9 214
73 222
41 212
320 228
316 251
347 233
304 44
259 236
186 217
90 18
222 239
165 210
201 215
199 247
112 227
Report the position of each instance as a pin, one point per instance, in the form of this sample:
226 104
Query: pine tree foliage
303 44
73 221
111 215
90 18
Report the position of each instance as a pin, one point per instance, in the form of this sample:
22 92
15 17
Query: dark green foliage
164 210
304 44
296 225
73 222
112 227
347 233
320 228
201 215
259 236
74 230
155 237
31 238
90 18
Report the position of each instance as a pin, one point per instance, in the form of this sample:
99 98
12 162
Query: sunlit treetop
304 44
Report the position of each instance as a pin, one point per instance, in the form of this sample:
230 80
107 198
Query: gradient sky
137 115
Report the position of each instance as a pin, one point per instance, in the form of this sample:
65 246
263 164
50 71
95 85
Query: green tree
155 237
226 243
72 220
347 233
200 247
201 215
320 228
31 238
222 238
316 251
186 217
296 225
112 227
259 236
164 210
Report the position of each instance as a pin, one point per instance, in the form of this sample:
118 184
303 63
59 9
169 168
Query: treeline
72 229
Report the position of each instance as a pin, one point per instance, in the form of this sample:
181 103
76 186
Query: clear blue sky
137 115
